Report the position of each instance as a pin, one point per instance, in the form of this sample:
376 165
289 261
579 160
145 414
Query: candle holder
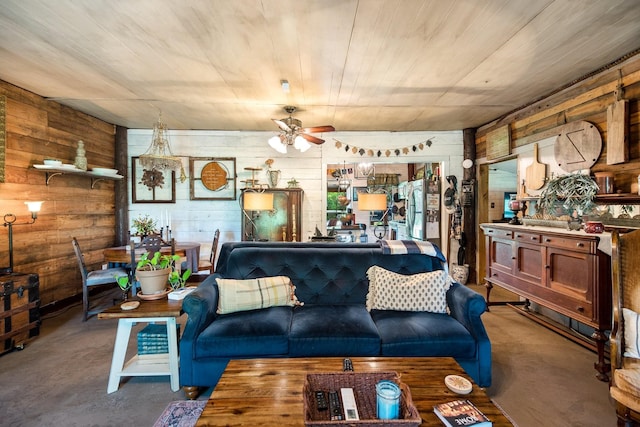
517 206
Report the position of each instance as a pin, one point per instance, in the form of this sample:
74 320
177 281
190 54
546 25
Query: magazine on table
459 413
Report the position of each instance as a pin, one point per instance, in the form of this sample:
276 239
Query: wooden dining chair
208 266
93 278
625 334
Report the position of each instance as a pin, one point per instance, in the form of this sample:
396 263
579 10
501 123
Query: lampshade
257 201
372 201
301 144
276 143
33 206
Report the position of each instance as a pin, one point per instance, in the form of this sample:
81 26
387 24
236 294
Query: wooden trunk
19 310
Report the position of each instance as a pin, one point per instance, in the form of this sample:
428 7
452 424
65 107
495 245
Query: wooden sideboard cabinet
282 224
561 270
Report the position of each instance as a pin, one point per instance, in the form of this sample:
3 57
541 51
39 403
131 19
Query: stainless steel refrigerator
423 210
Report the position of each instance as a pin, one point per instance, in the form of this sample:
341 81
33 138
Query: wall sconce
10 221
255 202
375 202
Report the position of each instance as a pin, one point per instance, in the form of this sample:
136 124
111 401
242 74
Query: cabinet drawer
578 245
496 232
526 237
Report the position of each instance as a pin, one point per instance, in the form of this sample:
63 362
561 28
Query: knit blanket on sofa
401 247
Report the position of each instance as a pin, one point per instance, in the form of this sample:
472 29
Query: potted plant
177 280
153 273
144 225
571 194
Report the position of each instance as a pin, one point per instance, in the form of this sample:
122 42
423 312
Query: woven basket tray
364 389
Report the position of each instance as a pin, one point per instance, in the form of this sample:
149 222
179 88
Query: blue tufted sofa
331 280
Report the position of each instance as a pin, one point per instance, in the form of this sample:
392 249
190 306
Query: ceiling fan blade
312 139
317 129
282 125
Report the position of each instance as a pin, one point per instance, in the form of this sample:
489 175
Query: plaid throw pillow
415 292
251 294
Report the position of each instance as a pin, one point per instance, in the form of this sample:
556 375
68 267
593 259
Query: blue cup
387 400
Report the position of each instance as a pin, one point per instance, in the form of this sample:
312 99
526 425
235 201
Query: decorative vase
274 177
81 159
460 273
154 281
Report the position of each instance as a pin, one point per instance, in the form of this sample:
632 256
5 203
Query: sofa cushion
415 292
333 330
251 294
419 333
261 332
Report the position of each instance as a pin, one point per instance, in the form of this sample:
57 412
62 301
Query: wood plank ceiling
357 64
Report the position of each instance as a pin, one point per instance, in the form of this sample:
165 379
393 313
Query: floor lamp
375 202
10 221
254 202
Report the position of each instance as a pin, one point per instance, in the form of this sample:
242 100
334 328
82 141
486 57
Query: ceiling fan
292 133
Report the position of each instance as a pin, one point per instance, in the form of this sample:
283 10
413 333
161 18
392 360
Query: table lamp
375 202
10 221
255 201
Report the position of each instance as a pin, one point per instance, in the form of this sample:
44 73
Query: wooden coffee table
255 392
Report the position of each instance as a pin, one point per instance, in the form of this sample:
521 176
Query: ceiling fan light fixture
301 144
292 133
277 144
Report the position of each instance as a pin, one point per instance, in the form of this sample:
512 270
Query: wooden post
121 193
469 212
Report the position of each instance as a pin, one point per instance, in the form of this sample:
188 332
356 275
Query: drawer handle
533 238
580 309
547 240
547 267
513 257
580 244
518 235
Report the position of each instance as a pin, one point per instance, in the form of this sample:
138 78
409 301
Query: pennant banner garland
387 153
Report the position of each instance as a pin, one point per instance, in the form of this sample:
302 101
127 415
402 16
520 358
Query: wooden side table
148 365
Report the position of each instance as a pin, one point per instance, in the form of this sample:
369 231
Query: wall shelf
50 172
618 199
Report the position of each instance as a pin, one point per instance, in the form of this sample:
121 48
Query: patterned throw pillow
251 294
631 339
416 292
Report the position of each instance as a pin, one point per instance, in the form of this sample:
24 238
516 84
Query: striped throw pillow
252 294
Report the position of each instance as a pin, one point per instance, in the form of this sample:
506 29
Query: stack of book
152 339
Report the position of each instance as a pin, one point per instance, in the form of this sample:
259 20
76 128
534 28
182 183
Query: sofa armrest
466 306
200 306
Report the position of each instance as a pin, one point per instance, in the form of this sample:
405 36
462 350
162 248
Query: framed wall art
212 178
152 186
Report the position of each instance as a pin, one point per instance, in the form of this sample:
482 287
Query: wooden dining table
122 254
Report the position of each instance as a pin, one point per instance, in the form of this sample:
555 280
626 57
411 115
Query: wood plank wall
586 100
37 129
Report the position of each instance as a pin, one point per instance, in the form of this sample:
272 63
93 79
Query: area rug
181 413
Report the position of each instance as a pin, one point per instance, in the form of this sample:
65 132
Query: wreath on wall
152 178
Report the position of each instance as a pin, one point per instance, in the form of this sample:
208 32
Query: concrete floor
60 378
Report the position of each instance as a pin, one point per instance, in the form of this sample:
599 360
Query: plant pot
154 281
